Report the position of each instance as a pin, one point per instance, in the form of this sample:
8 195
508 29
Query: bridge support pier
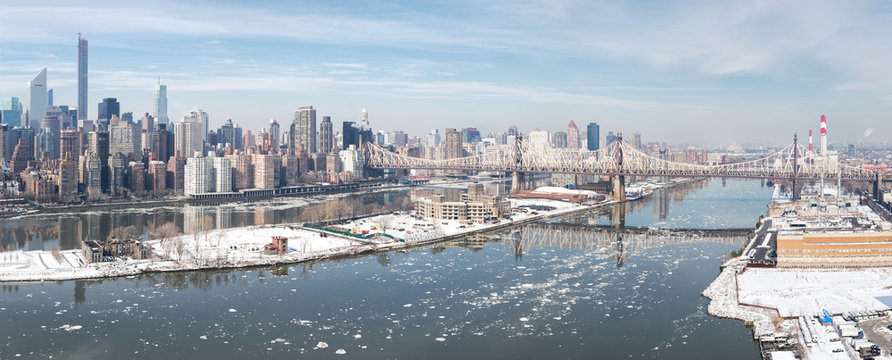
619 188
877 189
518 182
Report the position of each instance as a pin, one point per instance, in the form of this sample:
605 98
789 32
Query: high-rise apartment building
539 140
36 99
453 144
303 131
191 133
198 176
160 104
222 174
593 135
572 135
264 172
82 103
326 135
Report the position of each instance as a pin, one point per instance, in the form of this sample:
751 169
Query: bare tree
124 233
166 233
385 222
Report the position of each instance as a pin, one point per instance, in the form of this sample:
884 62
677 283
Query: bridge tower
518 178
619 180
877 188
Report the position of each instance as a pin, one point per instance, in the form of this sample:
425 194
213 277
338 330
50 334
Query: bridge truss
619 158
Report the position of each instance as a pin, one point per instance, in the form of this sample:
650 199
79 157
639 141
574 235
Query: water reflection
67 230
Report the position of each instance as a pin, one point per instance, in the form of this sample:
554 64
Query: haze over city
681 71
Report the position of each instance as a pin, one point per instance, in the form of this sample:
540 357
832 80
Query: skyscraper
326 135
49 97
36 99
353 134
160 105
305 129
107 108
82 103
274 135
572 135
190 133
593 135
11 112
453 144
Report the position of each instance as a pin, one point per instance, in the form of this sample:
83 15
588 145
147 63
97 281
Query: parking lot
876 330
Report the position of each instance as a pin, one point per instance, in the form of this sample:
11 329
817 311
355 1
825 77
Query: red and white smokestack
809 140
823 135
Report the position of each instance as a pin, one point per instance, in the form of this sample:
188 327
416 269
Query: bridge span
618 242
619 159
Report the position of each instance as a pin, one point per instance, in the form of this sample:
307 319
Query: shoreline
141 267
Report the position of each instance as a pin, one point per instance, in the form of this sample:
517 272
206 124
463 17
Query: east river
479 297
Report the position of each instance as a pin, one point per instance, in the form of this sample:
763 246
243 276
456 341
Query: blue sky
702 72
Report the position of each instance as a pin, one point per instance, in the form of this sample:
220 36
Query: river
473 298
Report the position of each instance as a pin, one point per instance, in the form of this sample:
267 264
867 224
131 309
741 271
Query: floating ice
321 345
341 352
440 339
233 310
357 336
407 305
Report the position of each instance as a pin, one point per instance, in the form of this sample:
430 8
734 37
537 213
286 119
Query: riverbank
240 248
245 247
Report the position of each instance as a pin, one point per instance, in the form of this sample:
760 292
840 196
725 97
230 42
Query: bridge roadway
619 159
618 242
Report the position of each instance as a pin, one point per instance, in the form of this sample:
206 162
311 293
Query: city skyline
689 86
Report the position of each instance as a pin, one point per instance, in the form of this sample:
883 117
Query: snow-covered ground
241 247
807 292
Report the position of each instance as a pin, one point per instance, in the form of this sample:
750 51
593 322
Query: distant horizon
681 72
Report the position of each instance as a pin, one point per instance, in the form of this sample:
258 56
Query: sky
700 72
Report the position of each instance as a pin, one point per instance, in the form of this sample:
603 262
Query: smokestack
809 140
823 135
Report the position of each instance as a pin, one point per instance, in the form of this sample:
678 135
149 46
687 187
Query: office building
125 139
593 136
326 135
108 108
560 140
355 134
274 135
11 112
230 135
160 104
611 137
36 99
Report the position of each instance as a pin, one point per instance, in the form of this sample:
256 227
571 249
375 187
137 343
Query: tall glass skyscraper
593 136
160 104
11 112
37 99
107 108
81 78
